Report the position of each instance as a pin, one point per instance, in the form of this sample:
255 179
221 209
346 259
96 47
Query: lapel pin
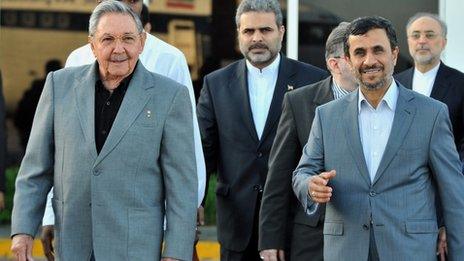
289 88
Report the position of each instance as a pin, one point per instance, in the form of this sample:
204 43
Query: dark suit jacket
449 89
231 145
280 208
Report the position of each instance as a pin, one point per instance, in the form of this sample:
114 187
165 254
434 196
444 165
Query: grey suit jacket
400 202
111 203
280 208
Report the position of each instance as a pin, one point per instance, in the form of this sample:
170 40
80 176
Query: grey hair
260 6
112 6
444 28
334 43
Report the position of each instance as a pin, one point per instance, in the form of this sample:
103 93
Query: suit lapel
353 136
440 86
324 93
242 97
134 101
284 79
404 115
84 90
409 77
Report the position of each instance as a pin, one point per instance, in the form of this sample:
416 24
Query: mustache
119 58
258 46
372 67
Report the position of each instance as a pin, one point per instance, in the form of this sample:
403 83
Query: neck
375 96
423 68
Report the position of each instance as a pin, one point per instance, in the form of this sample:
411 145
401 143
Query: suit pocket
421 227
333 228
145 233
222 189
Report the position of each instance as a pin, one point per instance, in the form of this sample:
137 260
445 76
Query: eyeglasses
108 40
428 35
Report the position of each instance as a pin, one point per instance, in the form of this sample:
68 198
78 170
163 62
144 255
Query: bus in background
35 31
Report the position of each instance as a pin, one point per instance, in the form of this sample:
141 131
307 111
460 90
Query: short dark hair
260 6
362 25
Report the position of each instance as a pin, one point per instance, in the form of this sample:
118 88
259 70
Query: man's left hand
442 247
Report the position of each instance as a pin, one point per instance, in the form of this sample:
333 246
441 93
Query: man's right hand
318 189
21 246
272 255
47 236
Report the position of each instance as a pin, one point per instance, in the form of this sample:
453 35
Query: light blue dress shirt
375 125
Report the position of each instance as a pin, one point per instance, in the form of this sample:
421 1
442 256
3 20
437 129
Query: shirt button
259 155
108 103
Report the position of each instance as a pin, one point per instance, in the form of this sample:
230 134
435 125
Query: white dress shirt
423 82
375 126
162 58
261 86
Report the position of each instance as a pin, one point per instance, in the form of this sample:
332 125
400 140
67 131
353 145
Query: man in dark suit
284 227
431 77
238 111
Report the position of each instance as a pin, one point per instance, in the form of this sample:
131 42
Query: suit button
372 193
259 155
366 227
96 172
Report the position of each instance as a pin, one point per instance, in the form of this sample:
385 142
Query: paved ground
208 248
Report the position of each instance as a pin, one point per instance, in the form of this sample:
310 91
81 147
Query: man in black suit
238 111
426 41
284 226
431 77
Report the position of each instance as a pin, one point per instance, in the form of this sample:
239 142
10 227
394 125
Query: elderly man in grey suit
378 157
118 141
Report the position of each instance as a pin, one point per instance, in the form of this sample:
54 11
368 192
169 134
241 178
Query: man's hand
169 259
21 246
47 236
442 247
272 255
318 189
200 216
2 201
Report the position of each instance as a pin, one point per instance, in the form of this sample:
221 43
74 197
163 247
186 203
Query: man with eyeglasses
115 141
431 77
159 57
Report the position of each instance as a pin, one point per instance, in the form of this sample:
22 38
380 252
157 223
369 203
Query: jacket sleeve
35 176
276 201
177 160
311 163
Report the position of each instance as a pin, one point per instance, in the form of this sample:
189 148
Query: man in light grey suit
378 157
118 141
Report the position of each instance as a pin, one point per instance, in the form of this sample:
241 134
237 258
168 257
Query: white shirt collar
390 97
431 73
271 69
